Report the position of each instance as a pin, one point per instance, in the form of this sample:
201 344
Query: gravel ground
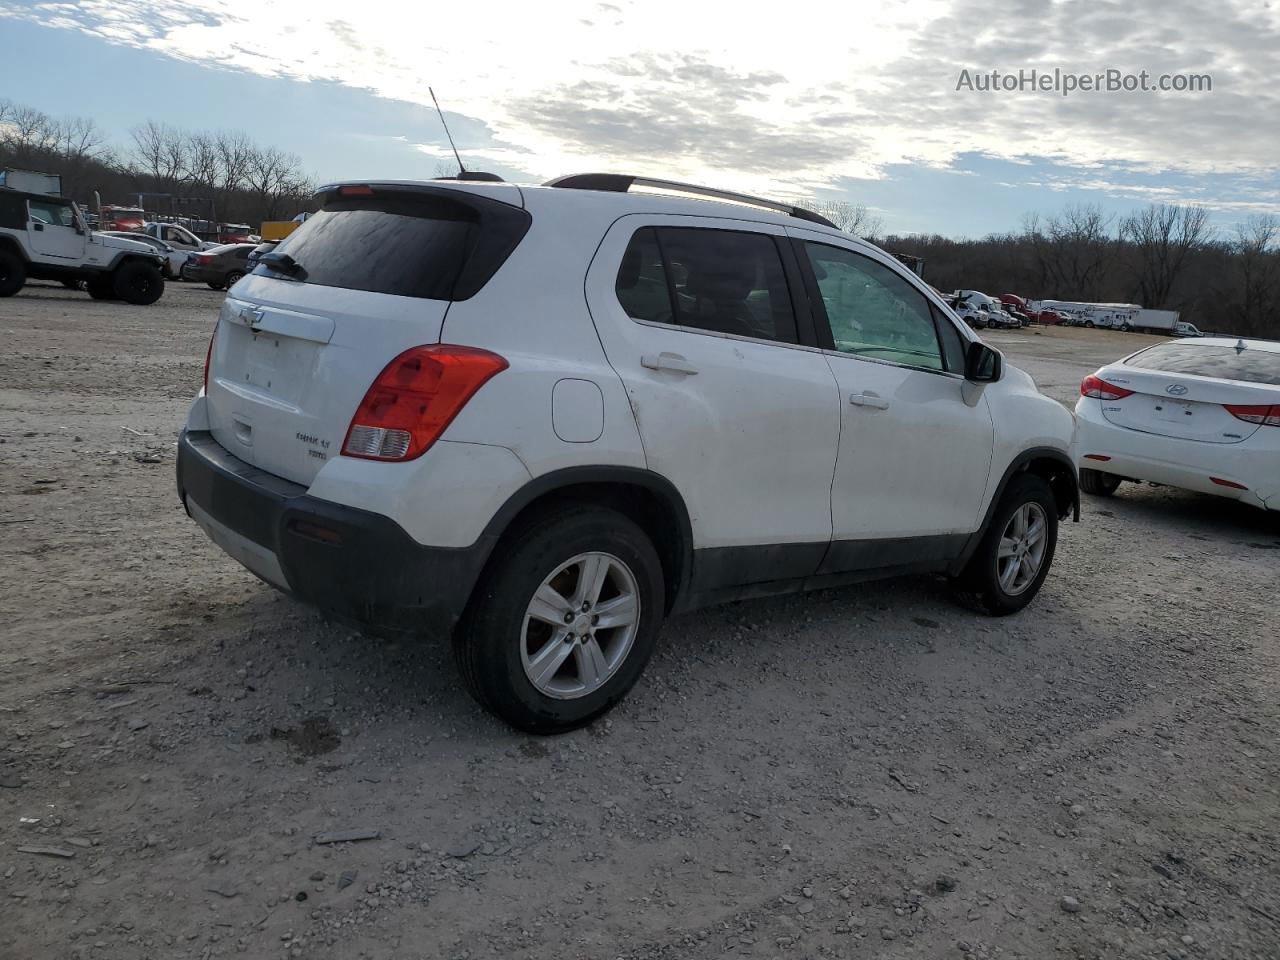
870 772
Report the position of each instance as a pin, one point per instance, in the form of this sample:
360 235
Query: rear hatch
370 275
1189 390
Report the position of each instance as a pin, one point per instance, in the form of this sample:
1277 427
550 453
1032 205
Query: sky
876 103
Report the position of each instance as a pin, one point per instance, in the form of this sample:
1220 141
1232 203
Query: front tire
13 273
1098 483
138 283
1008 568
564 621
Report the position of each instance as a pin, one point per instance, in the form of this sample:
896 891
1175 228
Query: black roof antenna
463 172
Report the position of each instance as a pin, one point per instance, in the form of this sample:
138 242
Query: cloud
770 102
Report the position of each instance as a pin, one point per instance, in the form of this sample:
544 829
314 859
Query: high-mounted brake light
355 191
1263 415
1091 386
415 398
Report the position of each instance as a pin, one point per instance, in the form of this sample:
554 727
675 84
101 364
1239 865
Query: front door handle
869 400
672 362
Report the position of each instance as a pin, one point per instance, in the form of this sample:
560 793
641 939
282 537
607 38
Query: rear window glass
406 244
1250 365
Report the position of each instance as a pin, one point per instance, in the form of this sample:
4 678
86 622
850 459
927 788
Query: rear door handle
869 400
672 362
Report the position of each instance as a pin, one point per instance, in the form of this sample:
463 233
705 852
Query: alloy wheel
580 626
1022 548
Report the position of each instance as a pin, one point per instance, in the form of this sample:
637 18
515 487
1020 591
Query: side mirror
982 364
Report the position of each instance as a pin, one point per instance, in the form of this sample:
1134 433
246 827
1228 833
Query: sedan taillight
1091 386
1263 415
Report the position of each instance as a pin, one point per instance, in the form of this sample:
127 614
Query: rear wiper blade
283 263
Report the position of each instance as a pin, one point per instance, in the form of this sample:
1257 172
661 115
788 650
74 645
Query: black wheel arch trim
1016 466
8 242
617 476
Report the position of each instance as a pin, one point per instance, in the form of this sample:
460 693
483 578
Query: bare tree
1258 263
1071 250
162 152
28 135
234 150
852 218
1161 236
273 175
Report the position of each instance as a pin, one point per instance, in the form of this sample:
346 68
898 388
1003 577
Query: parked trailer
1107 315
32 181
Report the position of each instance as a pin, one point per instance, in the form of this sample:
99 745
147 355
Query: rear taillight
208 356
415 398
1091 386
203 259
1264 415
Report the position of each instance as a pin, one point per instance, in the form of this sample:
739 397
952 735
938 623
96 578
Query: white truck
1161 321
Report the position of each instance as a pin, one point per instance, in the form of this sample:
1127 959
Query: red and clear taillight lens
208 357
415 398
1091 386
1263 415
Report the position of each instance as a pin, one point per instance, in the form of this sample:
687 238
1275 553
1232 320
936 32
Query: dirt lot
869 772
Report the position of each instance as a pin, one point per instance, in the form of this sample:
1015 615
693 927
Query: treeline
222 176
1162 256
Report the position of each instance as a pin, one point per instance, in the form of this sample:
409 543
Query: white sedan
1200 414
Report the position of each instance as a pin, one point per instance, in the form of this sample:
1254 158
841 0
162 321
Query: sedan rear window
404 243
1250 365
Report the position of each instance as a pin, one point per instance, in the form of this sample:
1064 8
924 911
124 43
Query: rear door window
408 244
1250 365
723 281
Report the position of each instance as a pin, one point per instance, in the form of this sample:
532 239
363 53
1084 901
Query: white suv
543 418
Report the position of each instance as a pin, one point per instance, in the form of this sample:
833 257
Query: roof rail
622 183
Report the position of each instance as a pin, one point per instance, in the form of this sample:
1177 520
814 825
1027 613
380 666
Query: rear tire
1098 483
138 283
216 286
1007 570
13 273
233 277
500 646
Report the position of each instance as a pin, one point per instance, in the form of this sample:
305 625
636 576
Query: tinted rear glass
1226 363
409 244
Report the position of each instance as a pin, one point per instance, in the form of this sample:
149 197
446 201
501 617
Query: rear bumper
1186 464
361 568
204 274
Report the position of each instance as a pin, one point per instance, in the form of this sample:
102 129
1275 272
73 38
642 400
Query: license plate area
1174 411
277 366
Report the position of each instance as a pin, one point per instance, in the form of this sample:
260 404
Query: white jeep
46 238
541 419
